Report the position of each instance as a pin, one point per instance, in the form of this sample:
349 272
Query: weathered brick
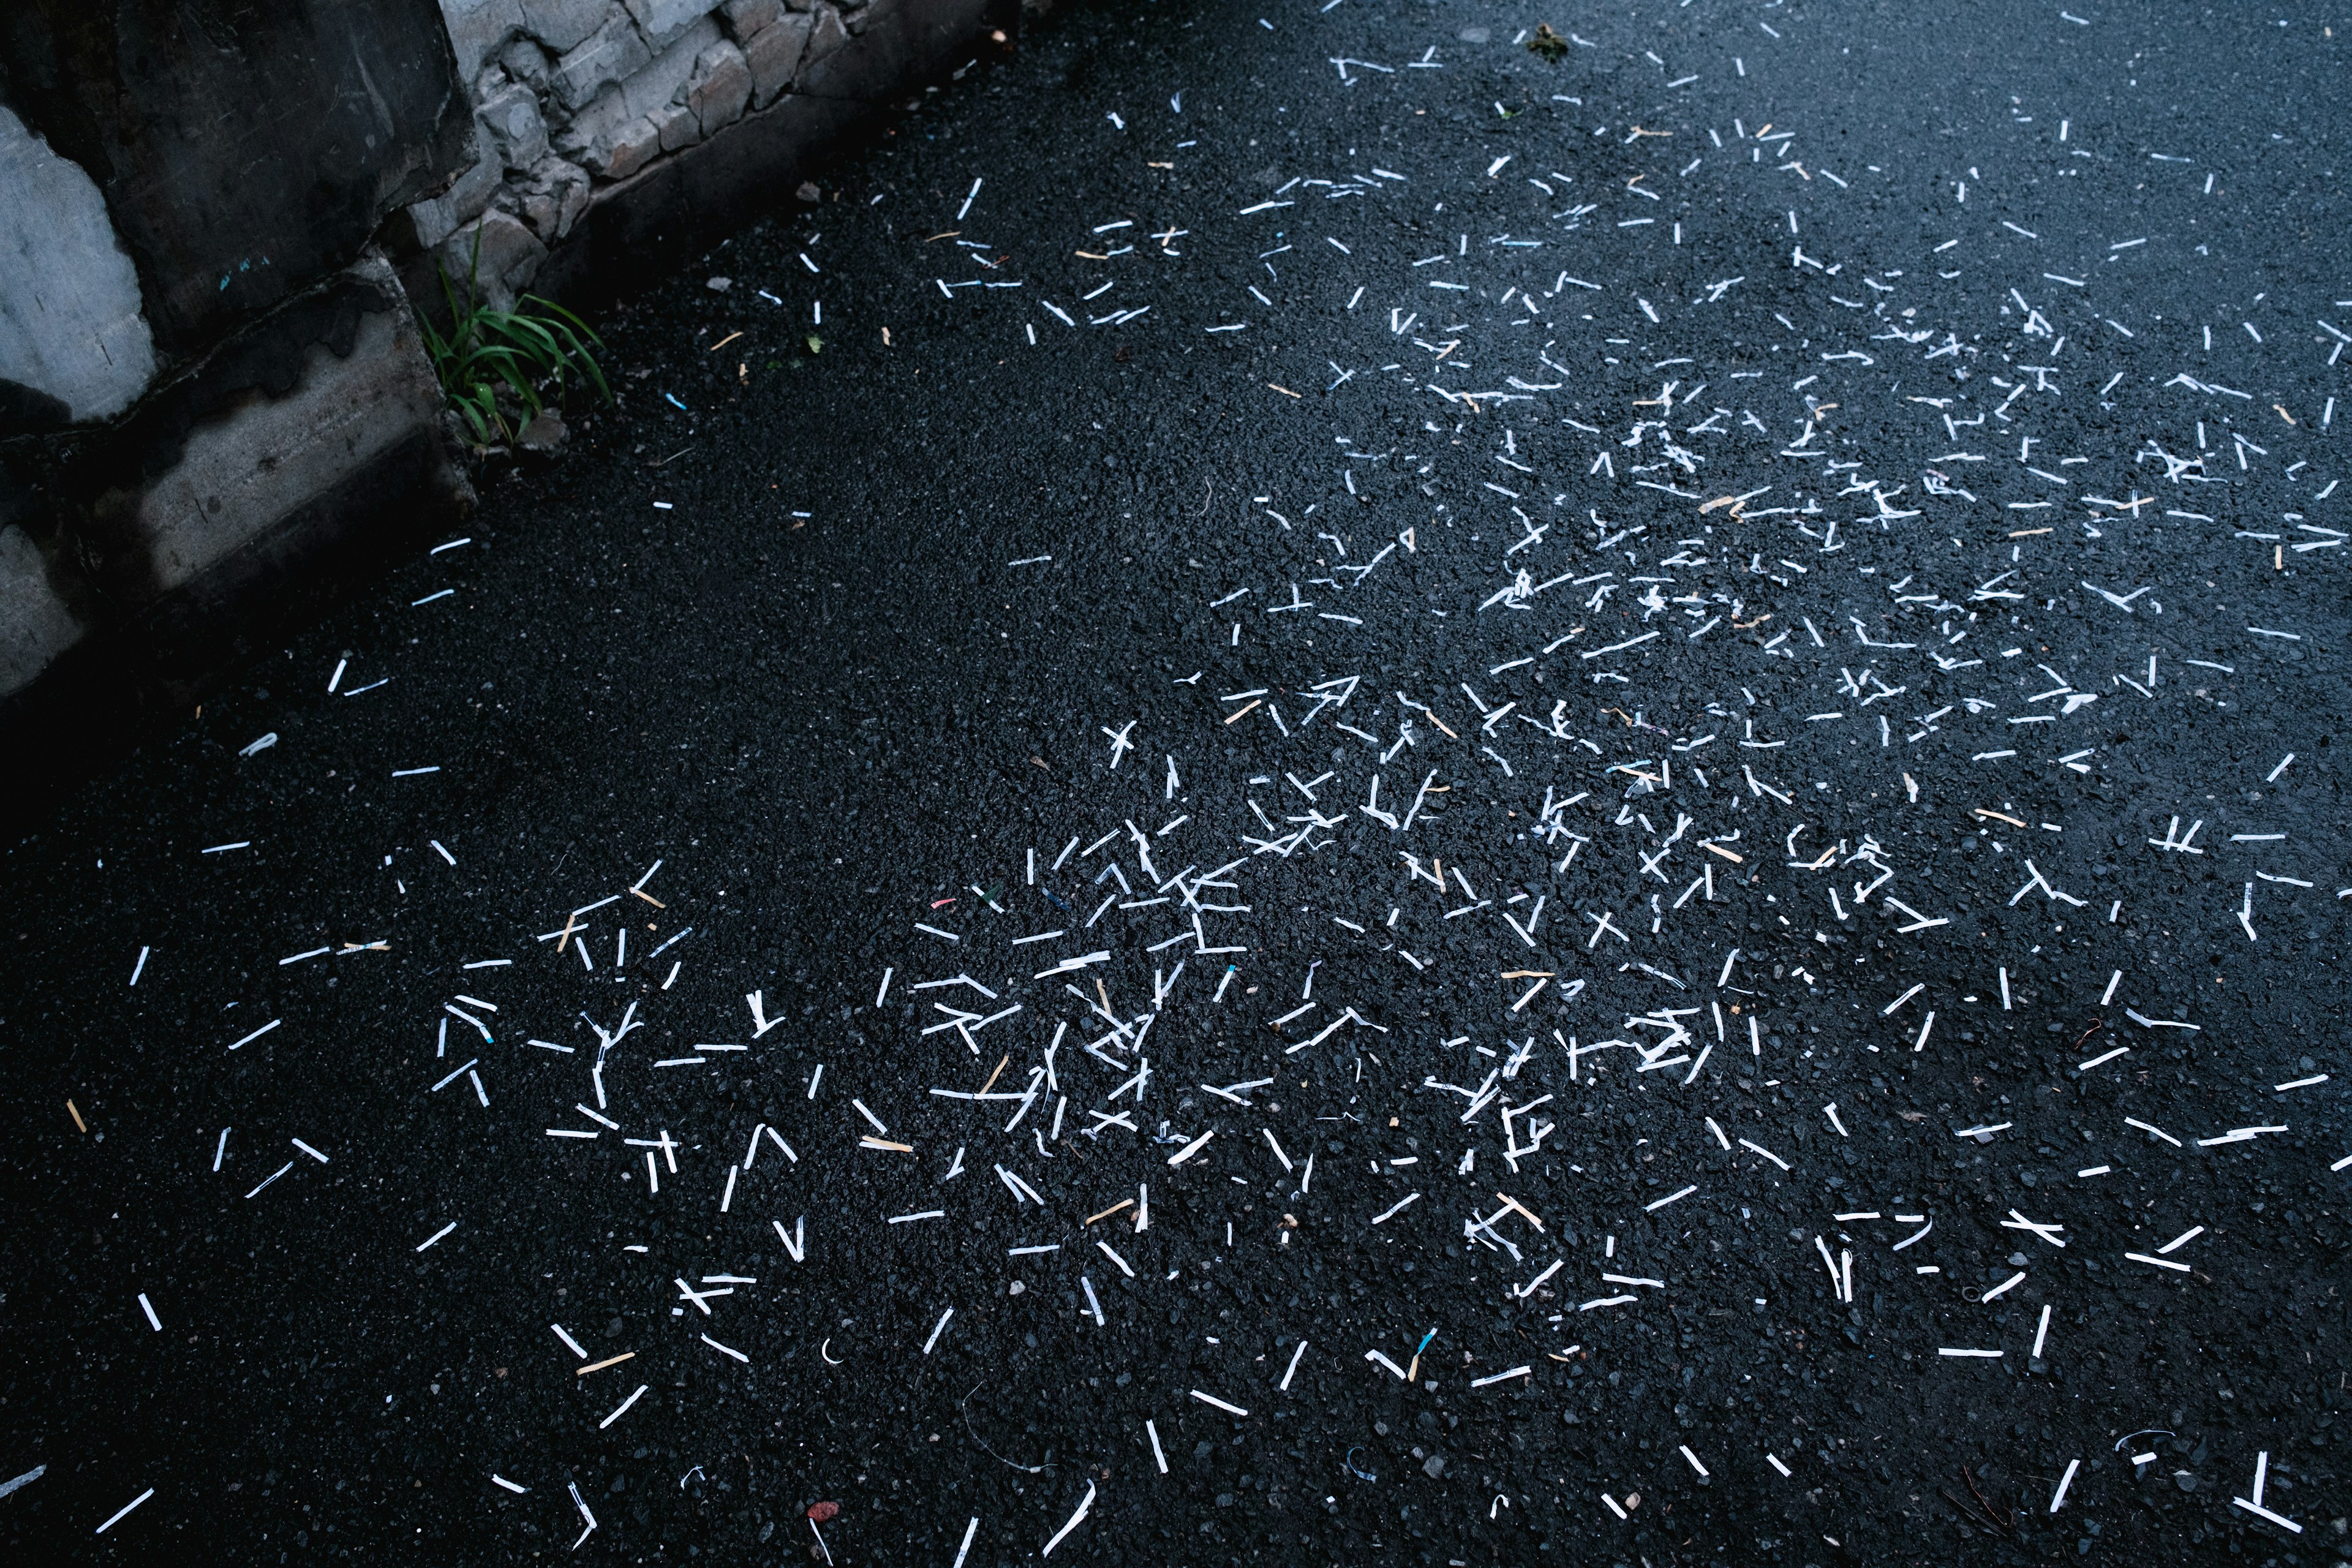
525 61
563 25
675 126
511 255
515 127
746 17
775 56
828 35
554 199
478 30
433 220
629 148
610 56
661 20
664 80
719 87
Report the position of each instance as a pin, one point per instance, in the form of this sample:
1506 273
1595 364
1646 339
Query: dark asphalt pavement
1290 701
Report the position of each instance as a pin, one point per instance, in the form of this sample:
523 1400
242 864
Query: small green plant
500 369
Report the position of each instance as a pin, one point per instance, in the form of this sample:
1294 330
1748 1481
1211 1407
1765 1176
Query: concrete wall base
306 449
137 564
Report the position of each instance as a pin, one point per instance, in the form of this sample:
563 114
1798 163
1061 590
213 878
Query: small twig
2004 1524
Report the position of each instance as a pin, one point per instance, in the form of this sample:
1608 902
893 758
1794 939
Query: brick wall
574 100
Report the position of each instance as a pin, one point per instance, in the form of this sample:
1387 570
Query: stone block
525 61
479 30
826 38
664 78
511 255
883 64
35 627
677 126
537 208
512 121
589 128
662 21
773 55
554 199
574 189
563 25
719 87
629 148
747 17
435 219
609 56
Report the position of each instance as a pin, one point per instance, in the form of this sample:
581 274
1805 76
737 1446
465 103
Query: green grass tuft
500 369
